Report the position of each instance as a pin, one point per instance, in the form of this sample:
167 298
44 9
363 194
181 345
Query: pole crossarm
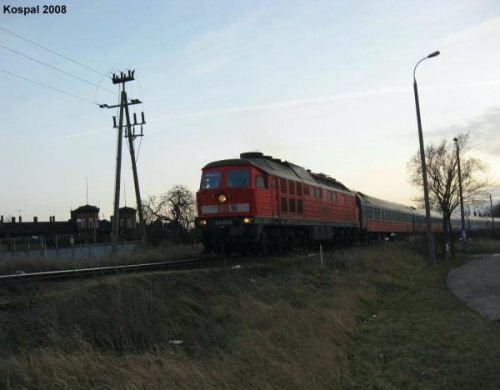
123 78
132 102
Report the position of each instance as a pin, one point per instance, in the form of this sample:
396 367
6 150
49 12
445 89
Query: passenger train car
260 202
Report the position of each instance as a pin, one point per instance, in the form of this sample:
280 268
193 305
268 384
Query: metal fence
60 246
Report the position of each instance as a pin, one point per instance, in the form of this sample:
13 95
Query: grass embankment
420 336
480 245
144 255
374 317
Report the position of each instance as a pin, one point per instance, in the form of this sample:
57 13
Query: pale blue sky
324 84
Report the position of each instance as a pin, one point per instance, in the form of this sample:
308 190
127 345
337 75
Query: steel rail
104 271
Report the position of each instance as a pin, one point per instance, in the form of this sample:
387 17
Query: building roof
87 209
126 210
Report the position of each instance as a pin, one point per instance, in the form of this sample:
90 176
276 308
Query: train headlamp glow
222 198
202 222
247 220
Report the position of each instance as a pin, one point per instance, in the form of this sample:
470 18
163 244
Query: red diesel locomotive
260 202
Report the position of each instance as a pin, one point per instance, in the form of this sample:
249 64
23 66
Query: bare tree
442 172
175 207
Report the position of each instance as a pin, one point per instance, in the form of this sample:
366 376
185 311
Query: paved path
477 283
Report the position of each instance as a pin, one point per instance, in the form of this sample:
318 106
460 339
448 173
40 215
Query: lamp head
434 54
455 139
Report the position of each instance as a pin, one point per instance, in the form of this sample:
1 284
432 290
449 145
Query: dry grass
285 323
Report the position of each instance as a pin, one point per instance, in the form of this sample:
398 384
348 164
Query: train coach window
292 205
306 190
312 192
344 199
283 185
260 181
318 193
237 178
300 206
210 180
291 187
274 183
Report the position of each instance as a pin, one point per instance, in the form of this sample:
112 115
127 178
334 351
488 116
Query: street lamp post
430 237
492 217
464 234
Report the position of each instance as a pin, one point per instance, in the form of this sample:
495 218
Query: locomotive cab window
210 180
237 178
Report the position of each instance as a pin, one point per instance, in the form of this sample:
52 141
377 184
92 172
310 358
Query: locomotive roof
280 168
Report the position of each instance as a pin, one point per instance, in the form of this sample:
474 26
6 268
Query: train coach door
275 209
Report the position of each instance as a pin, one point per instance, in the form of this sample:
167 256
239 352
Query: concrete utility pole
131 135
464 233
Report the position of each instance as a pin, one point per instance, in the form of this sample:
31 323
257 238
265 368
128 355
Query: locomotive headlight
202 222
247 220
222 198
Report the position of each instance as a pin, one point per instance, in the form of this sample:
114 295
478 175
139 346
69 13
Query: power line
52 51
55 68
47 86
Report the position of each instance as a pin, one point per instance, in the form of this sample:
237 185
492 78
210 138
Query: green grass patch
480 245
420 336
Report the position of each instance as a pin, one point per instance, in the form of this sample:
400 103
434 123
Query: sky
327 85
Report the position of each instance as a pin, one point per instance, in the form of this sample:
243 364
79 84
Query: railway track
87 273
110 270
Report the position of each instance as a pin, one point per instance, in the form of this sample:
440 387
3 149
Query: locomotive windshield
237 178
210 180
